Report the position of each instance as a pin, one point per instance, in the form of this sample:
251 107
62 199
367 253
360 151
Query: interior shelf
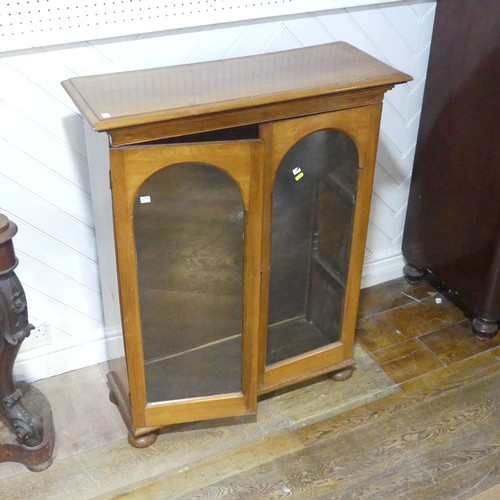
293 338
205 371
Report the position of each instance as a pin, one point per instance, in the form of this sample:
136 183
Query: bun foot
39 467
413 274
484 329
142 441
342 375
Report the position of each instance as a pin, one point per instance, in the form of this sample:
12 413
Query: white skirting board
42 363
382 270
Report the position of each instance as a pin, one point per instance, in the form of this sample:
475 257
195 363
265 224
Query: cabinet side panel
98 161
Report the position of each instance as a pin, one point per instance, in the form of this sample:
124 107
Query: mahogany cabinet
232 227
452 227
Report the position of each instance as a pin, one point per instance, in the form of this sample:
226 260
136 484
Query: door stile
266 133
252 278
128 286
366 136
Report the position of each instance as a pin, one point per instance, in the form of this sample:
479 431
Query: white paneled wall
31 23
44 185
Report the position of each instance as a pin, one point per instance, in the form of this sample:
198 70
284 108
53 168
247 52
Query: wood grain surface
142 97
434 436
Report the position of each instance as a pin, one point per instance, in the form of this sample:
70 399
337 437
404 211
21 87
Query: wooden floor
419 419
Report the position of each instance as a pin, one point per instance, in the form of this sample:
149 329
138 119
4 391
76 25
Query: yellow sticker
299 176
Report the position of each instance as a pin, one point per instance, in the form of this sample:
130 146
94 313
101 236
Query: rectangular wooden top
133 98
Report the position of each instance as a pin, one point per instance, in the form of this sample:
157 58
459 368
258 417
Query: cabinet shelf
293 338
213 369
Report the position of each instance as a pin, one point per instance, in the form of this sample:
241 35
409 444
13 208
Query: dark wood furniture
452 226
24 410
240 193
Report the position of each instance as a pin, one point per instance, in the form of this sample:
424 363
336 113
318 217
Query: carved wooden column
24 409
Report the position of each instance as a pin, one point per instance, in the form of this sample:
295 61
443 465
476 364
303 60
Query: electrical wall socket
39 337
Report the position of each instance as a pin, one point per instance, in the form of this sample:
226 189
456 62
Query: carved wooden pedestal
23 409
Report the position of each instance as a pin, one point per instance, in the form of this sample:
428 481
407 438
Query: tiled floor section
411 330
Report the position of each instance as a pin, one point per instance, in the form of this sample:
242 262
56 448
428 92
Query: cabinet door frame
130 167
361 124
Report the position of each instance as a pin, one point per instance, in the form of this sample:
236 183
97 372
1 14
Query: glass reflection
188 222
312 216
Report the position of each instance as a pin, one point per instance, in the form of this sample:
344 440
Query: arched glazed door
316 196
190 292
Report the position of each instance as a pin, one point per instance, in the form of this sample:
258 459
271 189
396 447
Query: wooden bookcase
234 231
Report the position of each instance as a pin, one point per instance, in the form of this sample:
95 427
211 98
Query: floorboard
418 419
415 440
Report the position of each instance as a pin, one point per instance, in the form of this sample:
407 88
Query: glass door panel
188 224
314 196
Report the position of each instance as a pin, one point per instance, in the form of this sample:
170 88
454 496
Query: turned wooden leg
142 441
484 329
342 375
35 448
413 274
